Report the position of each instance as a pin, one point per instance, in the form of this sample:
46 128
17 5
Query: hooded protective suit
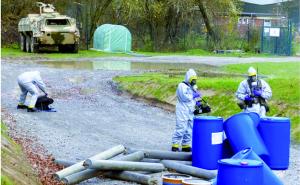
185 108
244 91
27 82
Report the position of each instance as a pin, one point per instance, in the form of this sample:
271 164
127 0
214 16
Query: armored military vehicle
49 28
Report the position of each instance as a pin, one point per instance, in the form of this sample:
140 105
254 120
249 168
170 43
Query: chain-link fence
277 38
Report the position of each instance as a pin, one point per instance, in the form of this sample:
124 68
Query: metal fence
277 39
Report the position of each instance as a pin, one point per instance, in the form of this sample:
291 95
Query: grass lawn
296 48
15 168
283 78
201 52
15 53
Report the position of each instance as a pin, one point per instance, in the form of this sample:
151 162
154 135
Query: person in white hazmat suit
253 94
185 107
28 82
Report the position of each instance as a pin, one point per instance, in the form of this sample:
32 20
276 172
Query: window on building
267 23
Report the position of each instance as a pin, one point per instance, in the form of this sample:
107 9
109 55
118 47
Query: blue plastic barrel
275 131
207 142
240 172
255 117
242 133
227 151
269 178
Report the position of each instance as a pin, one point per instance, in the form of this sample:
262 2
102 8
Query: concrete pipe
63 162
134 177
124 165
189 163
190 170
158 154
147 160
79 166
158 161
90 173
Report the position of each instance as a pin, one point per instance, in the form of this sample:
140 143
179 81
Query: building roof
264 2
262 10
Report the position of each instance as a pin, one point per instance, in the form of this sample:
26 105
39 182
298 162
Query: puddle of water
126 66
171 69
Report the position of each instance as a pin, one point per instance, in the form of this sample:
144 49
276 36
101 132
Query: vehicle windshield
57 22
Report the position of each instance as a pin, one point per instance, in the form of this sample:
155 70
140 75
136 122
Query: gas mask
252 78
193 82
254 84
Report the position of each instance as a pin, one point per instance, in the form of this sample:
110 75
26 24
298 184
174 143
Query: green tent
112 38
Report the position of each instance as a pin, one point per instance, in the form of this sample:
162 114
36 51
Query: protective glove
196 112
257 92
198 103
206 109
248 98
196 95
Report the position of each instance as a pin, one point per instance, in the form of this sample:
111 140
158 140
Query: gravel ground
93 117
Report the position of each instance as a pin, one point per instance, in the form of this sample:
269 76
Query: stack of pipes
136 165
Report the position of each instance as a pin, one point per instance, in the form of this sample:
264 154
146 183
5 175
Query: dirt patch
38 157
168 105
150 101
15 166
204 73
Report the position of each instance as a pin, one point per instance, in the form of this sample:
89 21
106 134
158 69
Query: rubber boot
22 106
32 110
175 148
186 148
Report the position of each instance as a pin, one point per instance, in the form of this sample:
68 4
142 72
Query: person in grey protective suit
185 107
28 82
253 93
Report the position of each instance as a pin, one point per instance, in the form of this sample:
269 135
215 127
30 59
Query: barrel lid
195 182
208 118
276 119
247 163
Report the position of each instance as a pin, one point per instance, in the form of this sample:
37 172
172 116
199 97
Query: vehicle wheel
62 48
34 48
28 42
22 42
75 48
